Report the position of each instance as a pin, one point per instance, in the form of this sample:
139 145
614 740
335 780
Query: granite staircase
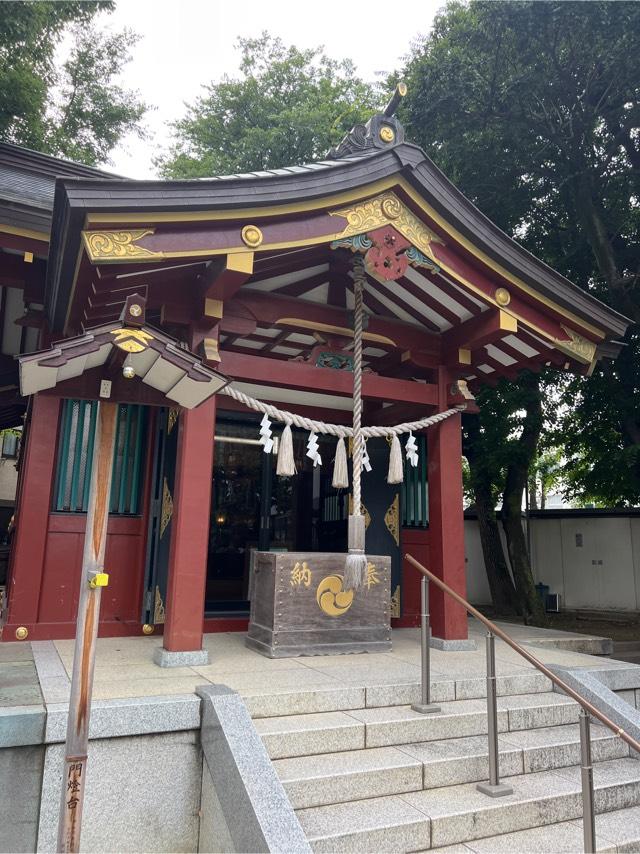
366 773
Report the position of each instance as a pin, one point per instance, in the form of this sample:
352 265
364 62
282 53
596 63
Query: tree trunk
530 604
503 593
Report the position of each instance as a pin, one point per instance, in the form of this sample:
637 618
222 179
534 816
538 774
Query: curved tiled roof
76 197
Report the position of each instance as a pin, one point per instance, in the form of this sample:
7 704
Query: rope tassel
395 474
340 469
286 462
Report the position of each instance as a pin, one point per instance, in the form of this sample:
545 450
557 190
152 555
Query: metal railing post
494 788
586 771
425 705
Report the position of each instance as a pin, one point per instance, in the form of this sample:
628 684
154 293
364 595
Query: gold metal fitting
128 372
147 629
252 236
401 89
100 579
135 310
503 297
22 633
387 134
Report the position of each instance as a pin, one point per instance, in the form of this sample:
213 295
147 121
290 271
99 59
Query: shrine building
252 273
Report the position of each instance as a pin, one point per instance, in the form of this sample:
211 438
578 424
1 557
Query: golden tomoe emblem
332 598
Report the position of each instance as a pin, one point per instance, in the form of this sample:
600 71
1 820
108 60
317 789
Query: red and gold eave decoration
387 258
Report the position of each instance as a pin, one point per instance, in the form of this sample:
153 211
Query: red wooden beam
309 378
224 276
486 328
271 309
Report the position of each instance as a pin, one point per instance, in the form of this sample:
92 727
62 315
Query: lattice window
75 450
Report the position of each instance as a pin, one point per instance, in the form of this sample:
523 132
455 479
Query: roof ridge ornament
383 130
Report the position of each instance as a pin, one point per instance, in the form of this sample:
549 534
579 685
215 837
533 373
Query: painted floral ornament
386 258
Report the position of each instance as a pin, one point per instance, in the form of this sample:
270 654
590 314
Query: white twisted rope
358 283
339 430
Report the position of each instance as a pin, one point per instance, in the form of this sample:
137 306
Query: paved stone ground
18 677
125 667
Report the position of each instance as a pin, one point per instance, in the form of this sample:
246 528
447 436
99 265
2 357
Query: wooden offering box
299 606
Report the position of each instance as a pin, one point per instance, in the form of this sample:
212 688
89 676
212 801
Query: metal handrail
494 788
586 705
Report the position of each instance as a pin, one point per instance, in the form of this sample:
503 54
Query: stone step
306 735
395 725
449 815
465 760
358 693
351 775
618 830
310 734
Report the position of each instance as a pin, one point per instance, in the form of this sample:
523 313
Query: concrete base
452 645
498 791
425 709
166 658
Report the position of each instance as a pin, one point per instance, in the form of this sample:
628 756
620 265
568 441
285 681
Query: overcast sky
188 43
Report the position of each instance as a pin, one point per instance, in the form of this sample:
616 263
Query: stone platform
339 730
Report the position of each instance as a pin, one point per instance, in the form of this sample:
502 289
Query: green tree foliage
532 109
288 107
76 108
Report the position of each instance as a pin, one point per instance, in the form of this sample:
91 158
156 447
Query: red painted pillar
32 515
190 529
446 519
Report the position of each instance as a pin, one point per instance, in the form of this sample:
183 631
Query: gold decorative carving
392 519
301 575
387 134
167 508
395 603
172 418
331 596
577 346
110 245
158 611
503 297
363 510
22 633
251 236
131 340
383 210
372 575
148 629
391 207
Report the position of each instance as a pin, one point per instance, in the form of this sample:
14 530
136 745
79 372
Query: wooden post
92 580
446 518
190 531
